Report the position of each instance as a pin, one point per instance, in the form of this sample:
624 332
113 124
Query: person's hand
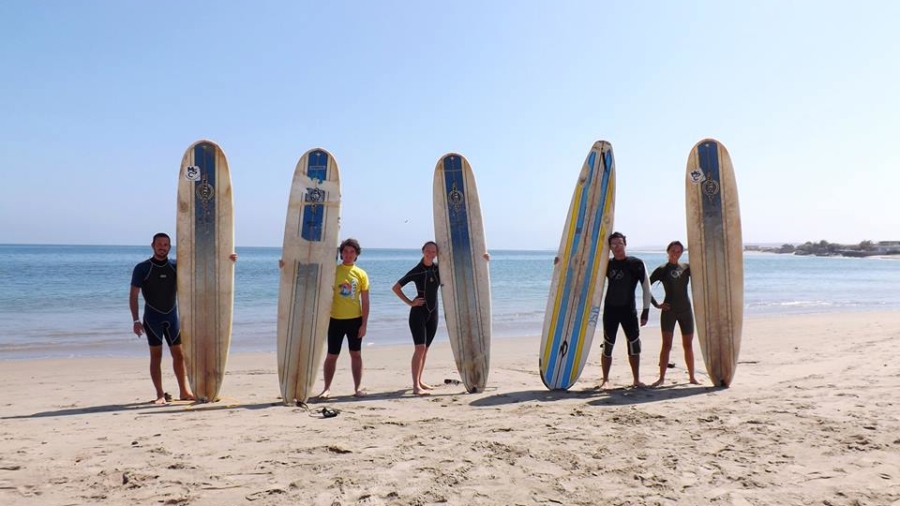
362 331
138 329
233 257
645 315
665 306
418 301
280 263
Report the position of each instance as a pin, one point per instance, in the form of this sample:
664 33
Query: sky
100 99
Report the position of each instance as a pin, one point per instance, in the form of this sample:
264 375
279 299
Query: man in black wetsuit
623 274
155 279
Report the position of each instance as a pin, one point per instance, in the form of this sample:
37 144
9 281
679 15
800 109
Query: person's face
161 247
429 252
348 255
675 253
617 246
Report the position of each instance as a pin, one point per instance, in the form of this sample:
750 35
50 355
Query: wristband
137 321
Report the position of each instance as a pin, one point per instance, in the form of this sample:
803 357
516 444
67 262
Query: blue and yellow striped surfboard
579 272
716 256
465 277
205 240
311 233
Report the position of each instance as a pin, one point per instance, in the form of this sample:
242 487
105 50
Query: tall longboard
465 277
576 287
205 240
307 276
716 257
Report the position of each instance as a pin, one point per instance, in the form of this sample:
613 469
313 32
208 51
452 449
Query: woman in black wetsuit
423 313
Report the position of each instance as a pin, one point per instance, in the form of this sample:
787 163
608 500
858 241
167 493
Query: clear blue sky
99 99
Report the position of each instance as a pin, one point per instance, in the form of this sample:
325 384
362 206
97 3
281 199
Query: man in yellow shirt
349 315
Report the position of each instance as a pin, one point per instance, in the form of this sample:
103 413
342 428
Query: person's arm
645 288
654 278
364 299
138 328
398 290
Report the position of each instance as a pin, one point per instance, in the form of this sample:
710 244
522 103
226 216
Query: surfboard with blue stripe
311 235
204 242
465 276
715 250
579 272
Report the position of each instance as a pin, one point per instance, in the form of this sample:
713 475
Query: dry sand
812 417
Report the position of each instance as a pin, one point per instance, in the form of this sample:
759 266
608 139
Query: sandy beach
813 417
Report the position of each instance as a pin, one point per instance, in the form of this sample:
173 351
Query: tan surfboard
465 275
204 244
715 251
307 276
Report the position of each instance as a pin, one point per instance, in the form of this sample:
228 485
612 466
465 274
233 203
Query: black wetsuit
158 283
423 320
622 276
675 278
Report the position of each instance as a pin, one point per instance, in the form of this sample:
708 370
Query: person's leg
335 340
431 326
184 391
356 361
610 328
633 332
356 366
687 341
664 353
416 366
156 373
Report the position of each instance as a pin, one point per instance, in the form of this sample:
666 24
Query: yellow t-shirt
349 282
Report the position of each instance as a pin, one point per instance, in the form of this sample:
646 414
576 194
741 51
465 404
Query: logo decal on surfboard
455 198
314 195
205 191
192 173
710 188
697 176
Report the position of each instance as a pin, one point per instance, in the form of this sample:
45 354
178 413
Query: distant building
887 247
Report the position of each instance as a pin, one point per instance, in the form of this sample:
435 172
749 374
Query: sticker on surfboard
192 173
697 176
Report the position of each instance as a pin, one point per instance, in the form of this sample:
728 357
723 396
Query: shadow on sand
595 396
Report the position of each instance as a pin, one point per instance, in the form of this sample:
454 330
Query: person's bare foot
426 386
603 385
162 400
638 384
657 382
694 381
324 395
419 391
360 393
186 396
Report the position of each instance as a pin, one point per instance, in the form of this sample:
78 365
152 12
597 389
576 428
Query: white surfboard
715 251
465 276
576 286
204 242
309 256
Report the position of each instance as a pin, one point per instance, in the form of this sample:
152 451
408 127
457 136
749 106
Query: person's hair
353 243
161 234
673 244
617 235
426 245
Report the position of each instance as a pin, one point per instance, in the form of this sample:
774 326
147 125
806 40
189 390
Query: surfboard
576 286
309 256
204 242
465 276
715 251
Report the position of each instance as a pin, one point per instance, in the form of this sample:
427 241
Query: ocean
67 301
